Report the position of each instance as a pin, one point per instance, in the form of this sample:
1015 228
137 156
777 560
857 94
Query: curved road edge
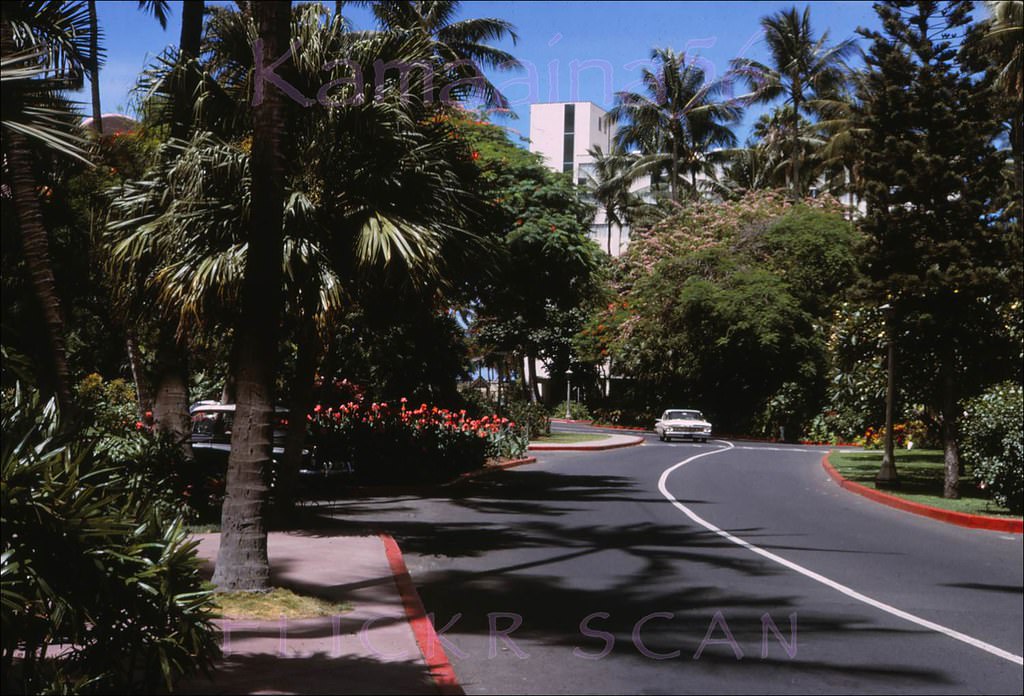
963 519
441 670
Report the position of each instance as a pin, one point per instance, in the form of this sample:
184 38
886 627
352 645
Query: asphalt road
746 570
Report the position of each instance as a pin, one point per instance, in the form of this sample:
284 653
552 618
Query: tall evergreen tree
931 178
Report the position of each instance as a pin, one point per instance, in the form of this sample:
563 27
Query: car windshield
683 415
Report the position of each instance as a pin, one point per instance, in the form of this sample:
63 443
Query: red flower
476 155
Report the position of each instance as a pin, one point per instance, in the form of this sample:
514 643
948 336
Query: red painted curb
441 670
512 463
963 519
578 448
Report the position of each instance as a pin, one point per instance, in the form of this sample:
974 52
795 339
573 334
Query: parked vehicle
211 440
682 423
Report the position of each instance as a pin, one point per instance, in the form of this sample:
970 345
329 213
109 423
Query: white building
564 133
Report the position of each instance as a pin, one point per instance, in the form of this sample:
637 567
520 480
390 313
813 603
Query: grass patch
568 438
921 475
271 606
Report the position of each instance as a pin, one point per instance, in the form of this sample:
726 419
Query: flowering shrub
393 442
909 434
993 443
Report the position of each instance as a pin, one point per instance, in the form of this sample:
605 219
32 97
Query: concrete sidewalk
606 443
382 646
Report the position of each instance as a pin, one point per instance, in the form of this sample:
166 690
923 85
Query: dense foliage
993 443
97 565
725 306
937 252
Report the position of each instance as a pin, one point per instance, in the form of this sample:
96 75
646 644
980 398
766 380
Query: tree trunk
300 404
673 185
54 377
170 402
951 451
142 395
531 365
1017 150
242 562
189 46
794 156
94 68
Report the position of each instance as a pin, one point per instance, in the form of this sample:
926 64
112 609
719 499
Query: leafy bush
909 434
532 417
577 411
111 403
95 559
993 443
393 443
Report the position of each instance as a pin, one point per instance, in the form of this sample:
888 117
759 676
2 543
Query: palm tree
610 182
454 43
242 562
676 122
806 72
747 169
44 48
378 180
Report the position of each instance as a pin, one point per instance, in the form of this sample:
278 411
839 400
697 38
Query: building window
568 146
570 118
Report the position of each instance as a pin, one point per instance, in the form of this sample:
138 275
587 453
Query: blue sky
571 50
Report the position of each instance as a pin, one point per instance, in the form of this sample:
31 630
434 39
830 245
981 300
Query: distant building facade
563 133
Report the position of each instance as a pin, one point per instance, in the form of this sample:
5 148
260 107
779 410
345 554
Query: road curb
581 448
469 475
441 670
963 519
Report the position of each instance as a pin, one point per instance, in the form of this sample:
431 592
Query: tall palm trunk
54 377
794 134
94 67
673 185
170 402
189 45
170 408
242 562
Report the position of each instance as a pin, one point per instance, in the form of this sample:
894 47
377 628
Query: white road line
849 592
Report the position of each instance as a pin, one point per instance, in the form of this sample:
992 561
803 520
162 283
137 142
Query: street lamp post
887 476
568 386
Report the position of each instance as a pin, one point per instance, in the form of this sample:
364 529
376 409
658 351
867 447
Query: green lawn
921 474
567 438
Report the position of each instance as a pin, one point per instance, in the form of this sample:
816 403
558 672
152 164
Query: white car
682 423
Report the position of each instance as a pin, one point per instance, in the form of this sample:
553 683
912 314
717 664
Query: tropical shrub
96 561
532 417
577 411
993 443
395 443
